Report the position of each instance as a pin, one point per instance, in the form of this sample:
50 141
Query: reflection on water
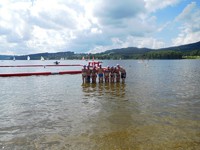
110 90
124 122
157 108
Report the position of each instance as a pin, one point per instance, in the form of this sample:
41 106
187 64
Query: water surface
157 108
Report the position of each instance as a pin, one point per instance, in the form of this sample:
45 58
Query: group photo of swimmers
108 75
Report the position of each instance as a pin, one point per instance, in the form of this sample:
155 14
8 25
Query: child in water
117 74
112 75
107 74
84 73
88 74
94 74
123 74
100 73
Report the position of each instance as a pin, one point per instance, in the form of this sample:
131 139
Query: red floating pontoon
39 73
91 64
40 65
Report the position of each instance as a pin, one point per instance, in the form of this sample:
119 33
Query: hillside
178 52
46 56
129 50
184 48
6 57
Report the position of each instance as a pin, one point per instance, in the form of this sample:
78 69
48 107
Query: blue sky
36 26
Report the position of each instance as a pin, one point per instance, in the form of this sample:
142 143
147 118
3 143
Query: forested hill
5 57
129 50
184 48
177 52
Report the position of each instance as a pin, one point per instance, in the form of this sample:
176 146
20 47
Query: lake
158 107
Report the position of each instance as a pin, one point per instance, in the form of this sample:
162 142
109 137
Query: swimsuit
88 79
84 74
123 75
100 75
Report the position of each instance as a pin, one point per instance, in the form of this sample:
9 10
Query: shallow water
157 108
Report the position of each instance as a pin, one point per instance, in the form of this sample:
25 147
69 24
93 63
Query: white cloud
13 23
154 5
141 42
43 26
186 13
190 28
96 31
32 26
117 9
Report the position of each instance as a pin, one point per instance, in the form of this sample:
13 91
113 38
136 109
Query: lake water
157 108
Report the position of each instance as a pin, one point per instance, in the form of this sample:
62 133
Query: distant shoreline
189 51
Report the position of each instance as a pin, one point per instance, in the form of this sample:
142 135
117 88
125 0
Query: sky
92 26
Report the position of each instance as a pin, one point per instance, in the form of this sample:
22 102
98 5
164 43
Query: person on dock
84 74
107 74
112 75
94 74
88 74
100 73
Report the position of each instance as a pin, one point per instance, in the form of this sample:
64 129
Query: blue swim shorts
101 75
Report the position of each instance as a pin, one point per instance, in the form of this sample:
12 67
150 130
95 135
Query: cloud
12 25
185 15
38 26
118 19
117 9
52 16
75 25
154 5
129 41
190 28
33 26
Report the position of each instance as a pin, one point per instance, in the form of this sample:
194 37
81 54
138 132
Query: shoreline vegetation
189 51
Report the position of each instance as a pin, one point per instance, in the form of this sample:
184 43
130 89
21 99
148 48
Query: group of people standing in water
108 74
